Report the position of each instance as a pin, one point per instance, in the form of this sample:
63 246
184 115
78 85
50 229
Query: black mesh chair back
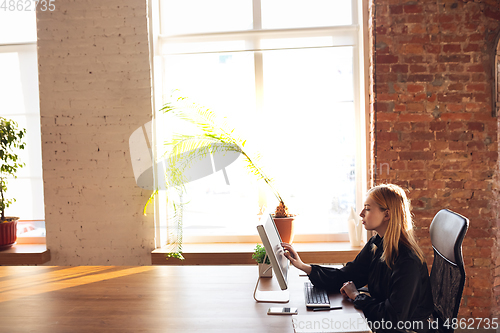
447 274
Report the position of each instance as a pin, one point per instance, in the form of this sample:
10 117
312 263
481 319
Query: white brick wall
94 92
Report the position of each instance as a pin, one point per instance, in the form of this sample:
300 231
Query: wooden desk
141 299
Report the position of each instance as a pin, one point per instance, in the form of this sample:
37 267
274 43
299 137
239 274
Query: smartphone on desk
282 311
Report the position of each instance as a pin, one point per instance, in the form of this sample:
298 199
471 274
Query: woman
391 264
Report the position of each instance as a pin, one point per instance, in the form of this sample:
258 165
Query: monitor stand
270 296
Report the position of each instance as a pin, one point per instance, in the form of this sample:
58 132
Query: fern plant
213 136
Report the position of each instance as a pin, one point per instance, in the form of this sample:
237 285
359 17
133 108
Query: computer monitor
272 243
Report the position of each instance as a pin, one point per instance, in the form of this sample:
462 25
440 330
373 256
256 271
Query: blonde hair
400 226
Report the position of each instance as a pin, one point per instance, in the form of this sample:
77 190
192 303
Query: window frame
26 47
352 35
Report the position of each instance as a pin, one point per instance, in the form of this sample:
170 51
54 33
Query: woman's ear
387 215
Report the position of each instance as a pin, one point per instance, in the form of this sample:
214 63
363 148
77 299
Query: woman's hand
294 258
349 290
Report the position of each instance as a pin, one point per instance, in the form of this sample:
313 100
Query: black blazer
401 294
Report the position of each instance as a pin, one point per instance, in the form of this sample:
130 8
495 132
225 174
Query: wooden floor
139 299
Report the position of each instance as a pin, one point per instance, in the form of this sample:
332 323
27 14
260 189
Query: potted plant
284 222
259 256
212 136
11 139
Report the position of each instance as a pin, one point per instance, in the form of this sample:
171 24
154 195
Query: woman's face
374 218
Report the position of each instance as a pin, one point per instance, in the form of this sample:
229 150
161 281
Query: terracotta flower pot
286 228
8 234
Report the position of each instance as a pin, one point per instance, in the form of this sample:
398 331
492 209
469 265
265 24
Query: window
287 76
20 102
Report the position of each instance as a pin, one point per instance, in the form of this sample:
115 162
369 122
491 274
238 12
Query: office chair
447 274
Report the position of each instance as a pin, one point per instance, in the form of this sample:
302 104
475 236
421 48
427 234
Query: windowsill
25 254
241 253
30 240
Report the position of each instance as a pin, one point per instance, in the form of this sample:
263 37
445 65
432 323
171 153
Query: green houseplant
259 256
211 135
11 140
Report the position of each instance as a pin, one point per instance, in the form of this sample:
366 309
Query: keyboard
315 297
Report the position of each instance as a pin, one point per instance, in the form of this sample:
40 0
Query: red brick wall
433 123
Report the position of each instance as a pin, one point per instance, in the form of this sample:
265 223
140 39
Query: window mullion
268 33
257 16
355 13
258 59
347 36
